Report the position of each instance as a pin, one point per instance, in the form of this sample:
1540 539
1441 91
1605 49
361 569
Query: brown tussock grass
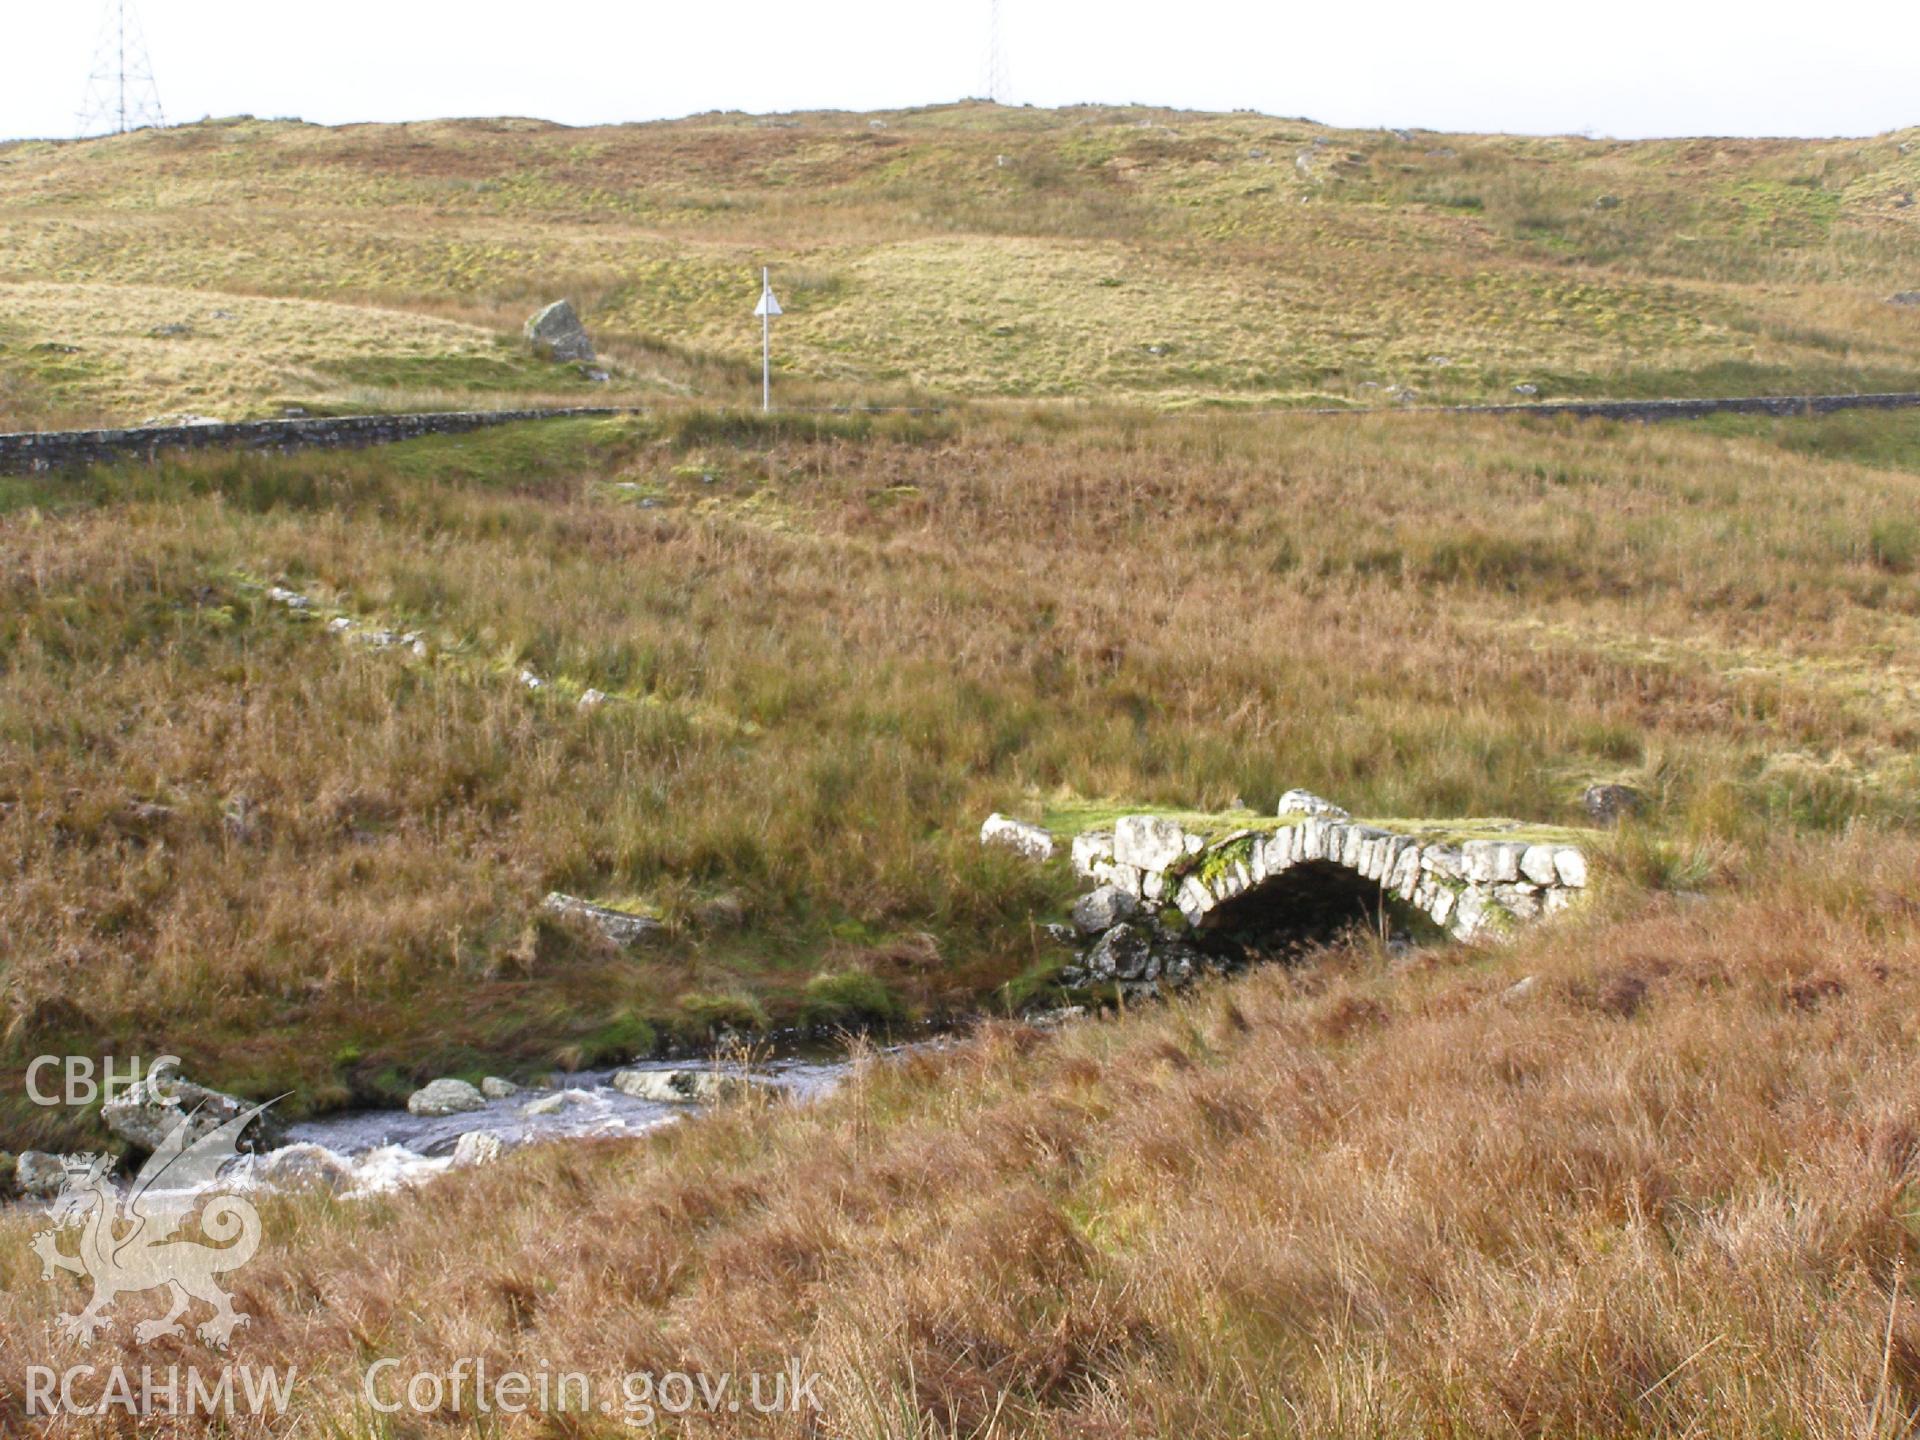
839 652
1242 1213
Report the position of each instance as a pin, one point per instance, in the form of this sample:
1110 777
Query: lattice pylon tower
121 92
996 57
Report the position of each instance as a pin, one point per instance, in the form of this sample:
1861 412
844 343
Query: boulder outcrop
557 334
681 1087
1028 841
145 1113
38 1175
618 926
478 1147
445 1097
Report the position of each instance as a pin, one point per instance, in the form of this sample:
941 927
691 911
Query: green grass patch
506 371
706 1013
849 997
1883 440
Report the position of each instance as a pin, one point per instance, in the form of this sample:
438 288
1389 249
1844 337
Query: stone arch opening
1166 901
1309 903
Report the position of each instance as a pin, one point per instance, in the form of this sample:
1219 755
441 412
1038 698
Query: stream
385 1149
357 1153
394 1147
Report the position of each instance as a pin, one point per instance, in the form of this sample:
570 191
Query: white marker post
766 310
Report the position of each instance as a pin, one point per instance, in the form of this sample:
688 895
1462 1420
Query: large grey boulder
615 925
1446 861
1906 297
1180 962
1305 802
146 1113
1609 804
308 1167
555 1104
445 1097
1103 909
478 1147
494 1088
38 1175
680 1087
1521 901
1029 841
556 332
1120 954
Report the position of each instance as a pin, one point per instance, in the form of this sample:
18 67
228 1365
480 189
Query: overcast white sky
1620 67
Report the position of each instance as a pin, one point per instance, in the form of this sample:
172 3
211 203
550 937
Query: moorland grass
1664 1189
1091 253
837 643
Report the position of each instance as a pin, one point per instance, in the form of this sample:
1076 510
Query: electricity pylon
121 92
997 60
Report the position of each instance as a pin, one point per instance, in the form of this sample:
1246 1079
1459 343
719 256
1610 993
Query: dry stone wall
36 451
1784 407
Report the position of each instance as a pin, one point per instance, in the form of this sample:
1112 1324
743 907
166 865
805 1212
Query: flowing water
392 1147
365 1152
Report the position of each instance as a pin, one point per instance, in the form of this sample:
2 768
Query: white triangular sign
768 305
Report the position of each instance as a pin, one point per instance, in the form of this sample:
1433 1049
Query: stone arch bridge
1305 874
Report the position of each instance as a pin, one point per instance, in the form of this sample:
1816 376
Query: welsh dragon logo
128 1244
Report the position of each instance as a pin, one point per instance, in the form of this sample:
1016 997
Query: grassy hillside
1155 256
833 646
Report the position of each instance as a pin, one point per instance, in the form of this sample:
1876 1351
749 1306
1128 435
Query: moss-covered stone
1220 857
